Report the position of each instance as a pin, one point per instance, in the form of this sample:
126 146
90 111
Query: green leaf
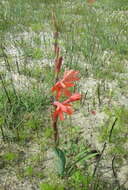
60 161
83 157
86 157
82 153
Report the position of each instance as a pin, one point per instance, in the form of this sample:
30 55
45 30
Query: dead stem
56 133
17 65
114 172
98 94
98 161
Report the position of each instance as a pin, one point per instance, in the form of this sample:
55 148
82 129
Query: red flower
91 1
63 85
70 76
73 98
62 107
93 112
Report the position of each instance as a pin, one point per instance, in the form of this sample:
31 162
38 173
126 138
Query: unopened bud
58 63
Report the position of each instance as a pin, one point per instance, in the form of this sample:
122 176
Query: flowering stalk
57 67
56 133
61 87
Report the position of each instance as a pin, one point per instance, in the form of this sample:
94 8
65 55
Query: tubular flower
63 85
70 76
60 108
73 98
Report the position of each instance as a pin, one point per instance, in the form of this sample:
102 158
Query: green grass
118 139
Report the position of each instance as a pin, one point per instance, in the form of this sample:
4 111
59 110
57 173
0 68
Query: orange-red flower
73 98
60 109
70 76
65 106
91 1
63 85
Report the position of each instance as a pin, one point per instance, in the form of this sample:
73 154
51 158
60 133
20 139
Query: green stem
2 131
5 90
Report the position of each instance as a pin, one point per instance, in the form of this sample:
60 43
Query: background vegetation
94 40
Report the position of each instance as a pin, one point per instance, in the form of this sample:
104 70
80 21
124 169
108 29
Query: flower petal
70 76
67 92
61 115
69 110
73 98
60 108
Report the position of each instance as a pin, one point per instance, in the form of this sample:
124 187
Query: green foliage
60 161
80 181
79 158
119 5
47 186
93 40
29 171
10 156
119 133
